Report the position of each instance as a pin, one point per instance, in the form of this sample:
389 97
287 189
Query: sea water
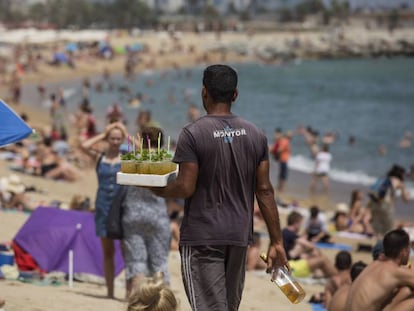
370 99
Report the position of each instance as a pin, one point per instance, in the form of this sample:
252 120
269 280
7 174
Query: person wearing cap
378 251
382 197
12 192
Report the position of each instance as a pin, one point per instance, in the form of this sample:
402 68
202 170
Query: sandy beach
259 293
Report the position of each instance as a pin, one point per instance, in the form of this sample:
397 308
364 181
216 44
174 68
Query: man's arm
276 256
405 277
404 194
182 187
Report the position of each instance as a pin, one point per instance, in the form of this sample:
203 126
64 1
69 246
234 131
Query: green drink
128 167
143 167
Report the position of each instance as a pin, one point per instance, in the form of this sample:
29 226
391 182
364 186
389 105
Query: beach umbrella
71 47
12 127
50 234
136 47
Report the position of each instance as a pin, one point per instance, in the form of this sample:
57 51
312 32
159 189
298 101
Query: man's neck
221 109
396 261
292 228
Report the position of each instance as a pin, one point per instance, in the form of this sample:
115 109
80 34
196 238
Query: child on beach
153 295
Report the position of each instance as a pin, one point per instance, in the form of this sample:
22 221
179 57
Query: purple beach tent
50 234
12 127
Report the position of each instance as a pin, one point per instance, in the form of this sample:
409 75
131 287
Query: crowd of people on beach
151 224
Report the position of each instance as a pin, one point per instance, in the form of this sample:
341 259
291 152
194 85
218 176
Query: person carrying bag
114 227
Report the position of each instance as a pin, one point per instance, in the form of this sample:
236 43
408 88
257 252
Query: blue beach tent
12 127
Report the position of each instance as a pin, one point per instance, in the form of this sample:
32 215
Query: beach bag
114 229
379 189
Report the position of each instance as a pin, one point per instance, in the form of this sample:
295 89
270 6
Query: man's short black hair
394 242
397 171
314 211
356 269
293 218
343 260
220 82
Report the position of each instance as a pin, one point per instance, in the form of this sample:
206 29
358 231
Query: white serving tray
145 180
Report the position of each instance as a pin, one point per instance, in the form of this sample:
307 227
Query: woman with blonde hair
152 294
108 163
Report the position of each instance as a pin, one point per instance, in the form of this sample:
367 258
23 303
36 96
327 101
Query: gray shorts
213 276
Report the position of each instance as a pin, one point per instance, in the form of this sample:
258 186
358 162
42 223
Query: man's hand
276 257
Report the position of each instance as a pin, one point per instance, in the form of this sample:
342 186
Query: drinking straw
168 144
159 142
149 147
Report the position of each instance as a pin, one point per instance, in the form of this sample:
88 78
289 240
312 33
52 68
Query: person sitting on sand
343 262
385 284
304 258
52 166
152 294
343 222
12 193
316 228
254 262
359 214
340 297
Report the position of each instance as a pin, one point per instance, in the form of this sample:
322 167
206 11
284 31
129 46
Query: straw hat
342 207
14 184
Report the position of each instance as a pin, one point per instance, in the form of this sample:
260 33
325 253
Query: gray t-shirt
228 151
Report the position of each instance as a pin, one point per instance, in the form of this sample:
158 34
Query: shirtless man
338 301
343 262
385 284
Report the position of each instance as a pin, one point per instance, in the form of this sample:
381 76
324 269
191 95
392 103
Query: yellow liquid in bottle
293 291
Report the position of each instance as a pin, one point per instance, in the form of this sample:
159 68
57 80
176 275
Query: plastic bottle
287 284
